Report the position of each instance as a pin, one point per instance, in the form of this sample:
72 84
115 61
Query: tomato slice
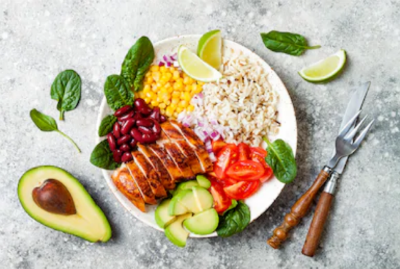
217 145
221 201
242 189
227 181
258 155
225 157
243 151
245 170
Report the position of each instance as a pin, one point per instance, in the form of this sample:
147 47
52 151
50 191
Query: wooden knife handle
317 224
299 210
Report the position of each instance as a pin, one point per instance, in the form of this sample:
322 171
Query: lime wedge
324 69
195 67
209 48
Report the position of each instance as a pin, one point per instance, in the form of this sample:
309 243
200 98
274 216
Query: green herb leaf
107 124
47 124
233 205
234 221
102 156
280 158
137 62
117 92
66 90
289 43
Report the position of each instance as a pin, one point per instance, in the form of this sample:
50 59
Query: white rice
243 101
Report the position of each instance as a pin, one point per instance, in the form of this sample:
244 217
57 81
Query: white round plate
270 190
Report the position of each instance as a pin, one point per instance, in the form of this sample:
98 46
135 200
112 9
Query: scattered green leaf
107 124
117 92
233 205
234 221
66 90
102 156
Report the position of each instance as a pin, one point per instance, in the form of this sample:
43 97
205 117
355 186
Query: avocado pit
54 197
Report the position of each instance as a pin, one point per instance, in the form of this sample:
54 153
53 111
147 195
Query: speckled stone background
38 39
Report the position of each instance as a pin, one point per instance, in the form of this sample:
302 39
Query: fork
345 146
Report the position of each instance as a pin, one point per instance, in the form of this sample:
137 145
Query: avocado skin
88 199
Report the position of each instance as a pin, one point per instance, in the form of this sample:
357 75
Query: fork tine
362 135
348 125
353 132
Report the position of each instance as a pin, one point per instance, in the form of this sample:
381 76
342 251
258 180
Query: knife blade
355 104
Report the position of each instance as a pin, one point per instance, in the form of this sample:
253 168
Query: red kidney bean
123 111
144 130
137 135
126 157
156 128
149 138
155 115
123 140
127 116
125 147
111 141
146 111
133 143
142 107
138 116
117 130
127 126
145 123
117 155
163 119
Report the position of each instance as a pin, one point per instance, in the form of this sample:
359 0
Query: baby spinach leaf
102 156
137 62
289 43
107 124
280 158
234 221
47 124
117 92
233 205
66 89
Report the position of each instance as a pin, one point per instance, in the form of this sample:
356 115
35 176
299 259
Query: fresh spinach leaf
66 90
280 158
117 92
289 43
234 221
102 156
233 205
137 62
47 124
107 124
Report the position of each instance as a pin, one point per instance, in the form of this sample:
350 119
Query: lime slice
325 69
209 48
195 67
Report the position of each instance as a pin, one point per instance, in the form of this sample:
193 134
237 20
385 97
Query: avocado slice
176 233
85 220
203 198
185 186
203 181
163 219
203 223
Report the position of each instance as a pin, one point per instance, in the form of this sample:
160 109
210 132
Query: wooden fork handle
299 210
317 224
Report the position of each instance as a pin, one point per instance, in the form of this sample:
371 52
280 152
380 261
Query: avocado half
89 221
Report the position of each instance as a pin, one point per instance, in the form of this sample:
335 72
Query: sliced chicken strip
150 174
175 136
141 182
158 166
167 161
127 186
197 145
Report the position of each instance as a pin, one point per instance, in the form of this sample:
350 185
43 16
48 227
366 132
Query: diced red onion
201 124
169 64
173 57
200 95
165 58
161 63
214 134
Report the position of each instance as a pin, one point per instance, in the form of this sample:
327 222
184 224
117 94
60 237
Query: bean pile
135 124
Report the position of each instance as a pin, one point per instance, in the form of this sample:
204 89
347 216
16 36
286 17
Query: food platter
269 191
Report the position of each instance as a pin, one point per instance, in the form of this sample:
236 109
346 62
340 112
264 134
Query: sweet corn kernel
186 80
146 88
154 68
156 76
162 106
147 100
168 85
154 103
190 108
187 97
173 106
148 74
183 103
179 109
176 114
175 101
170 90
176 94
163 69
172 69
175 75
188 88
149 80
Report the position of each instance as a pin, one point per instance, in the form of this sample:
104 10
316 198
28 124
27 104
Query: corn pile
169 89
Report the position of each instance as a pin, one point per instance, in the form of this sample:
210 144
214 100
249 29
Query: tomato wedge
242 189
221 201
243 151
217 145
225 157
258 155
227 181
245 170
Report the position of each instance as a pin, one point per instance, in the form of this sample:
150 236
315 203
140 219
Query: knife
325 201
301 207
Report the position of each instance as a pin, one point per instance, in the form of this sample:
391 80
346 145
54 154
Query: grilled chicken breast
127 186
141 182
197 145
158 166
150 174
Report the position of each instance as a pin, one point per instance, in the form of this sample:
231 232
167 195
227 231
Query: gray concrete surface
38 39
